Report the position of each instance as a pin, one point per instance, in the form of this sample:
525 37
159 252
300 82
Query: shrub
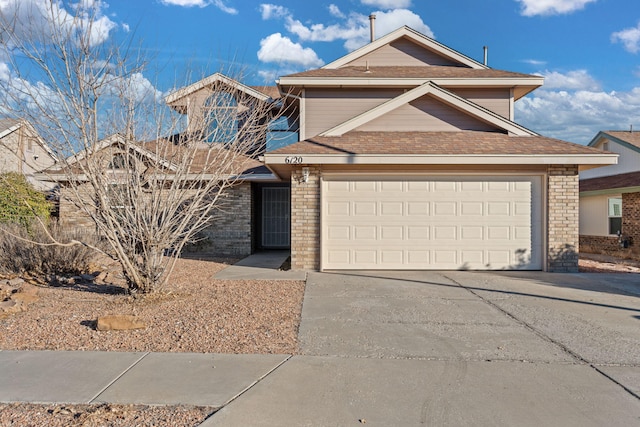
20 202
33 253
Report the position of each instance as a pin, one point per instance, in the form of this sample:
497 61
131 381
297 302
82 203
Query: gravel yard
195 313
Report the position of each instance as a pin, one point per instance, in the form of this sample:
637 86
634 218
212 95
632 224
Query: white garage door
474 222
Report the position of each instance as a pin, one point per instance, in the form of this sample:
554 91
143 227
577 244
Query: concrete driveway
457 348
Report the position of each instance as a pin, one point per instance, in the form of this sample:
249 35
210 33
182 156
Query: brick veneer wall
230 233
599 243
231 229
631 217
71 216
562 218
305 220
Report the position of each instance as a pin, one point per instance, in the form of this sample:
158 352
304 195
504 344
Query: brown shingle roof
426 72
271 91
631 179
632 138
435 143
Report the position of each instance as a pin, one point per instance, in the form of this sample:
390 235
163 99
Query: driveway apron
455 348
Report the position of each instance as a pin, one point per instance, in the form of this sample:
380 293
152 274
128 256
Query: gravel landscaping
194 313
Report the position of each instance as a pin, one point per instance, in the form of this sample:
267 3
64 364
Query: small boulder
11 306
120 322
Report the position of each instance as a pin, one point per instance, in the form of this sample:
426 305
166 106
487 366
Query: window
121 161
605 146
615 215
221 118
281 132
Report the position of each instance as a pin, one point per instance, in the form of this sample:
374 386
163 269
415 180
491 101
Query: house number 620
293 160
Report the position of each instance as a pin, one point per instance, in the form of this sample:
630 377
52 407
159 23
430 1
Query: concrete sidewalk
130 378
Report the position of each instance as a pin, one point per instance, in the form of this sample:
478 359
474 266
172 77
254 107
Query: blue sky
588 50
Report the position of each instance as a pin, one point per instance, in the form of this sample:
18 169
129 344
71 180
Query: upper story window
221 118
281 132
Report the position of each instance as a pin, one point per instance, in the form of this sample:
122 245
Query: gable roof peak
416 37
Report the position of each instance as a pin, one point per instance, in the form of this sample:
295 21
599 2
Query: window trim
611 203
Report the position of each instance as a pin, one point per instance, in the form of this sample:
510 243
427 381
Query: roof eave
530 83
442 159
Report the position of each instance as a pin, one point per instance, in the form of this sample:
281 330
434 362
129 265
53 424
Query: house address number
293 160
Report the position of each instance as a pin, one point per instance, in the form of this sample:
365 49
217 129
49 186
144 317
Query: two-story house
409 158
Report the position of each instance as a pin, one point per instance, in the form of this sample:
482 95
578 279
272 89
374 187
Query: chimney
372 26
486 54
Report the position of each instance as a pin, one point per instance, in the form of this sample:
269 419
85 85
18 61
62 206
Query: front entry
276 217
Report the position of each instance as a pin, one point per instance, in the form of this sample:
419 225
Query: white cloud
278 49
534 62
577 111
552 7
335 11
201 3
387 4
36 18
273 11
355 29
629 37
573 80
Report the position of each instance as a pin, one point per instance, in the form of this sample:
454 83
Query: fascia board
447 82
619 190
413 35
10 130
185 91
450 159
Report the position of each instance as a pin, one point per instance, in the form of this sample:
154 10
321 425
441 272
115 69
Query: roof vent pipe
486 54
372 26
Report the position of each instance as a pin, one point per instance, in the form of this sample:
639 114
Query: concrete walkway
393 348
264 265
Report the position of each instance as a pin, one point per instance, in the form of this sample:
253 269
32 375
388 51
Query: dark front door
276 225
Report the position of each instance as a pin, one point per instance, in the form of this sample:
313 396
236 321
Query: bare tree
128 163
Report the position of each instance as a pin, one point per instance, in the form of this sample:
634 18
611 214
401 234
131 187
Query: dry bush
29 251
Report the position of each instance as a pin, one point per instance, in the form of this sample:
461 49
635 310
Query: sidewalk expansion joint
118 377
253 384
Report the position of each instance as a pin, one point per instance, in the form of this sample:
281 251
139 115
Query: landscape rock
119 323
15 282
11 306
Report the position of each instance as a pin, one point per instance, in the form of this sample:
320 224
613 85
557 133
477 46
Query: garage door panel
432 223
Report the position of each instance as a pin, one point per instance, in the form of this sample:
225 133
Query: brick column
631 217
562 219
305 220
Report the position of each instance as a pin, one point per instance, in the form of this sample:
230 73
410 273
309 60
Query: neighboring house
410 159
22 150
610 196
